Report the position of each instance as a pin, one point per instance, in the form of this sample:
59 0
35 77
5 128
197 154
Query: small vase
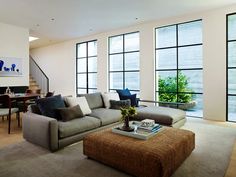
126 126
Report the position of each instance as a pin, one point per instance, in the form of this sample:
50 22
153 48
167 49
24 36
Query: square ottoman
158 156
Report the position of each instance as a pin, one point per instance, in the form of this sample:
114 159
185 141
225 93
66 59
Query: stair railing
39 76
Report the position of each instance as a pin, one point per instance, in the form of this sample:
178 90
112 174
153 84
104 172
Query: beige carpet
209 159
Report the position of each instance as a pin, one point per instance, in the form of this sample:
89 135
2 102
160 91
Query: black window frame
123 71
177 69
228 68
87 88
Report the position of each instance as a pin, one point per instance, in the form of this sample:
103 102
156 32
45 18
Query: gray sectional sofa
53 134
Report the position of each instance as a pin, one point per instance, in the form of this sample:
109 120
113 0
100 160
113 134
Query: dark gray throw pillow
35 109
48 106
70 113
119 104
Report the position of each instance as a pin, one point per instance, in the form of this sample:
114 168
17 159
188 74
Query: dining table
23 97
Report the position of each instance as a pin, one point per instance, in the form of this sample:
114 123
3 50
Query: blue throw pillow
48 106
123 92
132 98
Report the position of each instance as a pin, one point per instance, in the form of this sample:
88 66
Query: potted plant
168 88
127 113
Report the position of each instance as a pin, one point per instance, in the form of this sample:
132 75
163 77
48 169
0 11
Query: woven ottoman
158 156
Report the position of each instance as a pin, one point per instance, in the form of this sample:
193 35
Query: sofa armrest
40 130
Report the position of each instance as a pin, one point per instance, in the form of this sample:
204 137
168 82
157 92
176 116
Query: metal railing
39 76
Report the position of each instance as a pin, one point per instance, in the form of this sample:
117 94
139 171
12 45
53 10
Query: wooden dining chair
49 94
29 91
8 110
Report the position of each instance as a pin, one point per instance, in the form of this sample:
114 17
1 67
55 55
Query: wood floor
16 136
16 132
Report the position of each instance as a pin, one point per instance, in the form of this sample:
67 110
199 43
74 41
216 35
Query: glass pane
81 80
92 80
195 105
116 62
231 27
135 92
92 90
166 97
232 108
132 80
81 91
116 44
166 59
132 61
190 57
116 80
232 54
81 65
190 33
81 49
92 48
232 81
166 36
131 42
92 64
166 81
190 81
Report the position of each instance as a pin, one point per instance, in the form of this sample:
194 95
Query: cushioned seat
107 116
76 126
5 111
161 115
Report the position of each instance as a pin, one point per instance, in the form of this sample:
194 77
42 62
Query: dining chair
29 91
49 94
8 110
21 104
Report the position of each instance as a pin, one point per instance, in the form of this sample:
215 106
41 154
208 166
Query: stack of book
148 129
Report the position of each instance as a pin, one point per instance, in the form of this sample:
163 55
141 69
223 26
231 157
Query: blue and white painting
10 66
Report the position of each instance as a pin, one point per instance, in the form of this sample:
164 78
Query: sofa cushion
48 106
162 115
81 101
132 99
109 96
119 104
70 113
94 100
76 126
34 109
107 116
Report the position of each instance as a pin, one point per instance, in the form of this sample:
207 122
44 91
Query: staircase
34 86
38 79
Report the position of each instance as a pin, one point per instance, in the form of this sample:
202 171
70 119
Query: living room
58 57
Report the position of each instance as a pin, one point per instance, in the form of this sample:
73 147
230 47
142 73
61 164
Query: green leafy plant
168 89
127 112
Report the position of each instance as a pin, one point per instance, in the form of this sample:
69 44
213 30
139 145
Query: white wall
58 61
14 42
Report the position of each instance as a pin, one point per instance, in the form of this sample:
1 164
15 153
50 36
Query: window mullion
177 62
123 61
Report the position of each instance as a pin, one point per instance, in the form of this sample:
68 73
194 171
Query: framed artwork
10 66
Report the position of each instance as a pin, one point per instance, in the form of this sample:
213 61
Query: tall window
86 67
231 67
179 66
124 62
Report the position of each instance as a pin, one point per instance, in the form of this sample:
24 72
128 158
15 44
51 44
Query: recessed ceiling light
52 19
32 38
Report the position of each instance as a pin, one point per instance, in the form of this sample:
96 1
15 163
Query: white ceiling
76 18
